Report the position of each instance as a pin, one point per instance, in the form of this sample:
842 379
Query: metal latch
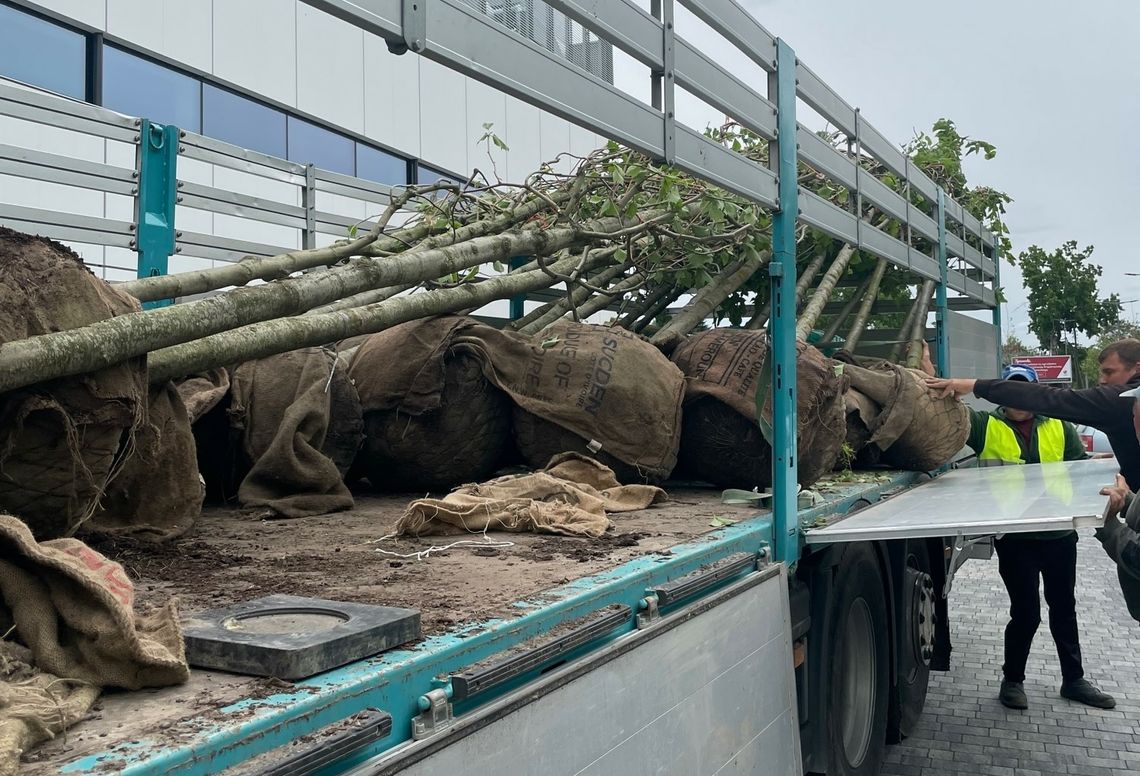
958 557
649 611
436 715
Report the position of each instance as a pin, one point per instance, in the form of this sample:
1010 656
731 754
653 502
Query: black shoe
1084 691
1012 695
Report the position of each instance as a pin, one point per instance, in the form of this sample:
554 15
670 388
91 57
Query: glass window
241 121
380 166
139 87
38 52
310 144
427 175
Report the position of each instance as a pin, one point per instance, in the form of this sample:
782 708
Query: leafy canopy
1063 297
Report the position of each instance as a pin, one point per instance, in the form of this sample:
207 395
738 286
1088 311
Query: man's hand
1116 495
946 387
927 365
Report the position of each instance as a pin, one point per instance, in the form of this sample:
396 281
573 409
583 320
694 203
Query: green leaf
352 231
550 343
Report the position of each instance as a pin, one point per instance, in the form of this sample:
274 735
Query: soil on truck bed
229 557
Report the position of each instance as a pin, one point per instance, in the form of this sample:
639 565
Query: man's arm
1119 537
1074 447
1098 407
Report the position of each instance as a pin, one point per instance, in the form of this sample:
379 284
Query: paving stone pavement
964 730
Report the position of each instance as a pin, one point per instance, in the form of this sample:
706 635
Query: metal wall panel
330 69
255 47
178 31
712 695
392 97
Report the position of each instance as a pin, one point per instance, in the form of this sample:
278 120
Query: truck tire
859 661
916 635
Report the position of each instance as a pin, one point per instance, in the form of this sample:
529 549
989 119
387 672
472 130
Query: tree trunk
823 292
276 267
707 299
806 277
904 330
114 340
660 306
864 314
856 297
651 298
555 310
599 302
914 349
269 337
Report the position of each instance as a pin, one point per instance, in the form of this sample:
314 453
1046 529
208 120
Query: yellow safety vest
1002 444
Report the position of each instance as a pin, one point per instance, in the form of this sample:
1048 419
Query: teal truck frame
759 647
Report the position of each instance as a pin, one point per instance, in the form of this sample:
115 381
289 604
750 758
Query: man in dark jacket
1099 407
1025 560
1121 540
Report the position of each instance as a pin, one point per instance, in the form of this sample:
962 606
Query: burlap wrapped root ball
914 429
721 442
598 391
61 440
157 494
432 419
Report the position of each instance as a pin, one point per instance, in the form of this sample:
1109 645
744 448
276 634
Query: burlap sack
202 392
721 442
616 394
571 496
157 495
61 440
285 408
432 420
73 611
915 430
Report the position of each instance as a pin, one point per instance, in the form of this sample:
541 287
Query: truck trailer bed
229 557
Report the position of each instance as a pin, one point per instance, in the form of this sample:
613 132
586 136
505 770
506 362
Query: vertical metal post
997 307
782 325
662 87
157 163
309 203
517 302
941 306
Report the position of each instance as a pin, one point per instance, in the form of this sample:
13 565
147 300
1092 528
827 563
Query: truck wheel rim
859 681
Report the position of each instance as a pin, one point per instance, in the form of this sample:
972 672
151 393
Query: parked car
1095 440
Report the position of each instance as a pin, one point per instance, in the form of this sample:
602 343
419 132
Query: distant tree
1063 296
1090 365
1014 346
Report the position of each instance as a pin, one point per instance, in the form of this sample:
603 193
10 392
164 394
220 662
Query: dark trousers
1021 562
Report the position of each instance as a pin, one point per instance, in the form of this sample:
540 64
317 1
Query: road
966 731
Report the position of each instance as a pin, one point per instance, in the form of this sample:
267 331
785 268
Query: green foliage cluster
1063 296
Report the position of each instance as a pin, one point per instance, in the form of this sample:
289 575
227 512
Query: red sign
1049 369
1087 441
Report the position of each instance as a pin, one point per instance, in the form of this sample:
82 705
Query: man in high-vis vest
1013 436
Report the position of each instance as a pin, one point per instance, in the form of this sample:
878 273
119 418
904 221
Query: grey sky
1050 83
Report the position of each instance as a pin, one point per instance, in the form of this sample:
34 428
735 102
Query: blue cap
1019 372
